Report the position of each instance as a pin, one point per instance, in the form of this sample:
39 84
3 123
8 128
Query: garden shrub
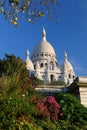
73 111
48 108
56 83
22 108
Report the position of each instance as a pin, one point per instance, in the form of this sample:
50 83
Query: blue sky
69 35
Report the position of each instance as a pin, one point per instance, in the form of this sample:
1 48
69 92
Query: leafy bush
73 112
35 81
22 108
34 111
49 108
61 83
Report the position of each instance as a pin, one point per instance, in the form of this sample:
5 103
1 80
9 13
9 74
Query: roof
29 63
44 46
66 65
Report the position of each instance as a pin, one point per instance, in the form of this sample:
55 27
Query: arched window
34 66
51 77
73 76
41 65
42 54
70 76
46 64
51 65
59 77
42 76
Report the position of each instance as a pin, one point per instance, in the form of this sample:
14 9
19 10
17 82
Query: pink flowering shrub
49 108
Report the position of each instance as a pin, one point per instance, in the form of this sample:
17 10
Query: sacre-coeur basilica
43 63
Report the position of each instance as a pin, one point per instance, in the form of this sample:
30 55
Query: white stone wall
83 95
51 89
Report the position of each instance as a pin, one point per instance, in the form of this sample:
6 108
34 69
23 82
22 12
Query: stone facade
83 95
44 63
79 89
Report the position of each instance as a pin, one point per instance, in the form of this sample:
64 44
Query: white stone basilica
44 64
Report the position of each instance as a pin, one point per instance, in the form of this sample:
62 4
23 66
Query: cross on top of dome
27 53
43 34
65 56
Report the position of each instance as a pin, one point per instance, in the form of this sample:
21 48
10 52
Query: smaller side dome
66 65
29 64
68 74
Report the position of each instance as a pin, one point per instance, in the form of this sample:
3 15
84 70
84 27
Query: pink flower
61 114
40 104
46 115
49 108
50 99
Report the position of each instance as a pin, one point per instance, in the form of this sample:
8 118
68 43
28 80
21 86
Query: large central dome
44 46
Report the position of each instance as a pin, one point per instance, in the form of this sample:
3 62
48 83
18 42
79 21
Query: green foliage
20 113
14 1
14 78
11 66
17 113
35 81
13 10
61 83
18 102
72 111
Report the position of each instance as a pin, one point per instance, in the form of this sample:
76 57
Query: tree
12 65
13 73
14 76
13 10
